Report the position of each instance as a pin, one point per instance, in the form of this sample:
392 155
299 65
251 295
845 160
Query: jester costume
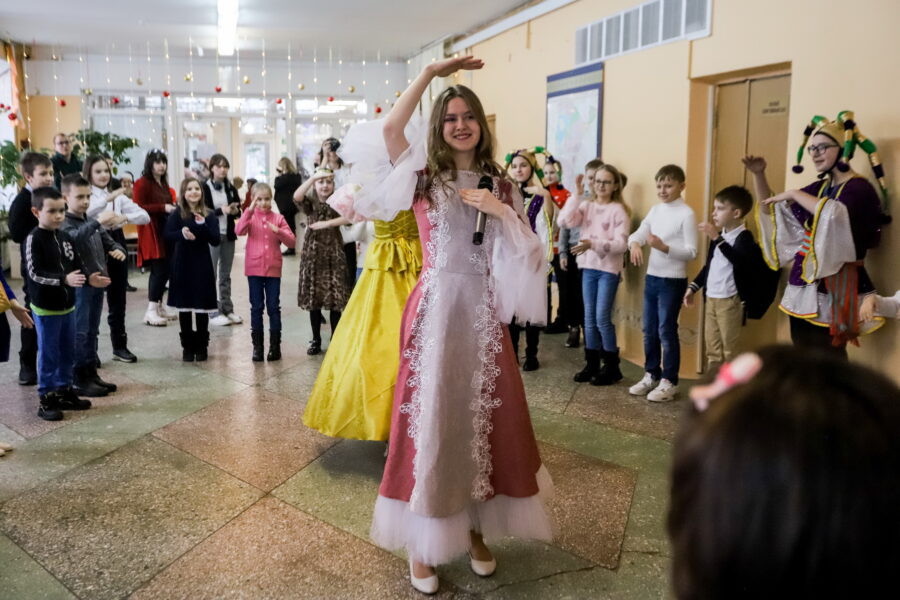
826 250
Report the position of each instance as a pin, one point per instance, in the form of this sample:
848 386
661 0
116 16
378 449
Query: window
649 24
613 35
631 30
673 17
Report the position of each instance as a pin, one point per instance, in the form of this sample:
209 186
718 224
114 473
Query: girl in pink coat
265 231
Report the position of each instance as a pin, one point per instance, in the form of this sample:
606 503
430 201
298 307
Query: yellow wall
44 111
656 108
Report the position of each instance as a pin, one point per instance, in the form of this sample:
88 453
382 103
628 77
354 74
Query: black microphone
485 183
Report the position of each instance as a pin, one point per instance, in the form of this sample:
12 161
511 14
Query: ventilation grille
649 24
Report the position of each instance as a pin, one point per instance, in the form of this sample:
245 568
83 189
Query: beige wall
43 119
656 108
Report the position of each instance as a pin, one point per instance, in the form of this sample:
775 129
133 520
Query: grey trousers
222 259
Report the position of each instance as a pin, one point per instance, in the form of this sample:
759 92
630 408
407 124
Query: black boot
609 372
85 385
201 344
274 346
69 400
27 375
591 367
49 408
110 387
315 347
574 339
256 336
187 346
121 351
532 337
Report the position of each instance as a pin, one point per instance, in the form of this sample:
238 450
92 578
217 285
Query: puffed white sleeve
376 188
830 242
518 268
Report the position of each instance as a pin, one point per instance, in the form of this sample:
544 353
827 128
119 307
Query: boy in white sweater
670 229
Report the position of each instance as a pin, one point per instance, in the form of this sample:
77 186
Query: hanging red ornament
12 116
115 100
377 110
331 98
2 106
166 93
278 101
218 89
62 102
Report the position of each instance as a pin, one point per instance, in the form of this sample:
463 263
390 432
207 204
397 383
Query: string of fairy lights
153 111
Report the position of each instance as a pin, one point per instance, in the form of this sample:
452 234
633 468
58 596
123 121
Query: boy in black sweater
730 276
92 245
52 271
38 172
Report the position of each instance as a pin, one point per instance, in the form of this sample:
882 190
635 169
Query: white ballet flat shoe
426 585
483 568
5 447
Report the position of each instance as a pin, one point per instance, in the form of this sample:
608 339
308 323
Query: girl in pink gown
463 463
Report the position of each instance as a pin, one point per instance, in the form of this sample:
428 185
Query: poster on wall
574 109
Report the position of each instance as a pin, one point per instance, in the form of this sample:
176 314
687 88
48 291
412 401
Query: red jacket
150 236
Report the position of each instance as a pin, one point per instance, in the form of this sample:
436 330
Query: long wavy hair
440 155
183 205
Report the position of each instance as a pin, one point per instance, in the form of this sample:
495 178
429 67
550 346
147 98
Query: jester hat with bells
845 133
529 154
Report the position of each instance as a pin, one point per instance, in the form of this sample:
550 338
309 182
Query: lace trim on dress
490 334
422 343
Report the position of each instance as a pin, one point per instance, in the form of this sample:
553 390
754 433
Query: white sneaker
234 318
664 392
644 385
166 314
220 321
151 317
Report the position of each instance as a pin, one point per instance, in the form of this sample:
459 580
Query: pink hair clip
737 372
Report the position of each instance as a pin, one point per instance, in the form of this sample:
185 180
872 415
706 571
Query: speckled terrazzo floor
199 481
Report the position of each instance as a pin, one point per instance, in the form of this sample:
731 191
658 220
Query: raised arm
395 122
757 167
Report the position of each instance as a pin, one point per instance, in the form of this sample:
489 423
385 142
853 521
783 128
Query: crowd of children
424 341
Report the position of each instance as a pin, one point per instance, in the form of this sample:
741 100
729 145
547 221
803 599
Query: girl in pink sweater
604 221
265 231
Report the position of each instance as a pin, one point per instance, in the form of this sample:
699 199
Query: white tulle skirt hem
438 540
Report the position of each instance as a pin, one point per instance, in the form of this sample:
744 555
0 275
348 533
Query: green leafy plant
9 164
88 141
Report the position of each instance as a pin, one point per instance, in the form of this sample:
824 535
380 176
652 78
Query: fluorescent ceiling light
228 18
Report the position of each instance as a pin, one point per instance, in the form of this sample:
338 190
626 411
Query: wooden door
751 117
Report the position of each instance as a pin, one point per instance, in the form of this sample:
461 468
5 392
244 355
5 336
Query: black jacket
285 186
61 168
233 198
756 283
21 219
49 256
92 243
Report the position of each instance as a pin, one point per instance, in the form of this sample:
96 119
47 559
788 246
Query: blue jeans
265 290
88 308
662 303
599 291
56 344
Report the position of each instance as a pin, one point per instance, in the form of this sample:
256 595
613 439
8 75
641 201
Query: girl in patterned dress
323 268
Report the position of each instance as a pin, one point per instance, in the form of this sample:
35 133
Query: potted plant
88 141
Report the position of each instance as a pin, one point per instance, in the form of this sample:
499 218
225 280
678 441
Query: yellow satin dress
354 391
